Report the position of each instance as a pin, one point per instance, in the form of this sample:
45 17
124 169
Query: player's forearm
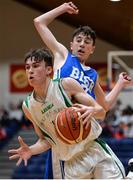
113 95
48 17
39 147
99 112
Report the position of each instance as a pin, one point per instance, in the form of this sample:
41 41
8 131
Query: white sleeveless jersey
44 114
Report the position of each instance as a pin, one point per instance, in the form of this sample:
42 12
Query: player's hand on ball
23 153
69 127
86 113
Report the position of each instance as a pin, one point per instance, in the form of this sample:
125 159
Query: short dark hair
87 31
41 54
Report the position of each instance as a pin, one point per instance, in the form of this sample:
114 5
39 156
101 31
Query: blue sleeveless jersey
85 76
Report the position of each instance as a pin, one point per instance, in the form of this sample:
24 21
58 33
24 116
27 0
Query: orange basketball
69 128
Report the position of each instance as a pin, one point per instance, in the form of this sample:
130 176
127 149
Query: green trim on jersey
67 101
27 101
103 145
45 134
56 80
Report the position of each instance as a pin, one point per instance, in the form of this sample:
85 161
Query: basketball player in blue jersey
89 158
72 64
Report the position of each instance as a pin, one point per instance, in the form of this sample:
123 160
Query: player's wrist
121 84
31 151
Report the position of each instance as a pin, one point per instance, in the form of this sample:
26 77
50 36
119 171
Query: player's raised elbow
36 21
39 25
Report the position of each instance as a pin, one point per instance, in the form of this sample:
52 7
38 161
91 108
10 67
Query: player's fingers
25 162
12 151
77 105
14 157
85 116
87 125
19 162
127 77
73 5
21 142
86 119
123 73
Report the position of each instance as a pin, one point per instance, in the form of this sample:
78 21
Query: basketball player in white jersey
90 158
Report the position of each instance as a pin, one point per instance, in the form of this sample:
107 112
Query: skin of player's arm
41 23
74 89
100 96
107 101
41 145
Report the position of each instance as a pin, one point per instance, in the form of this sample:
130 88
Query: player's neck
41 92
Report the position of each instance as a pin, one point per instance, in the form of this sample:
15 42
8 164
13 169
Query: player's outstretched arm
124 81
108 100
41 23
24 152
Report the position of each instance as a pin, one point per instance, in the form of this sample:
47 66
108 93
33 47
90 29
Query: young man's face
36 71
82 47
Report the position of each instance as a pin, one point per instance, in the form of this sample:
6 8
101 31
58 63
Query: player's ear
71 44
49 70
92 50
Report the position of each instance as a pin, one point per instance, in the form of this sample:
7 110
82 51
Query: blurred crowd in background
118 122
12 119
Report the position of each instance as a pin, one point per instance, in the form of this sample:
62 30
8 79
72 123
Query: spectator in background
4 117
4 122
15 113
